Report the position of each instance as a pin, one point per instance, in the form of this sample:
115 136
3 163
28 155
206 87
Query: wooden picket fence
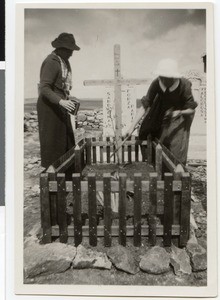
167 194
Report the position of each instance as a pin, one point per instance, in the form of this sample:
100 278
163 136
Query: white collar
171 88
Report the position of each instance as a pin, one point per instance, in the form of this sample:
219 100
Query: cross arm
134 81
104 82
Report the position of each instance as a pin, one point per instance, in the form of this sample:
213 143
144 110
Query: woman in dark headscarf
54 106
169 107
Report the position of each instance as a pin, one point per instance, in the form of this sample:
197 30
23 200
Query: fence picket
185 209
61 207
88 151
153 208
78 163
168 208
132 148
77 209
177 195
101 151
122 209
45 208
136 150
82 151
123 153
158 164
149 149
137 209
92 209
53 201
107 209
108 149
112 141
129 151
94 157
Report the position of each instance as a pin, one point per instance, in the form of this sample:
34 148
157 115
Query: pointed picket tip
179 169
51 169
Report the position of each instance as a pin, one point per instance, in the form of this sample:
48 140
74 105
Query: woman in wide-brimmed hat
54 106
169 107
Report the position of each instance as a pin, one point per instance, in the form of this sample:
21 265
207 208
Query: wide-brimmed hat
65 40
167 68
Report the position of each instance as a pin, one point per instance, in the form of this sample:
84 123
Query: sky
145 37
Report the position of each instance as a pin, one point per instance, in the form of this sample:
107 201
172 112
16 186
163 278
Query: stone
198 220
200 275
192 236
90 118
202 214
198 233
29 166
47 259
87 258
35 189
155 261
26 161
194 198
99 117
180 261
123 259
33 117
33 160
34 112
192 221
26 116
197 256
34 124
203 242
81 118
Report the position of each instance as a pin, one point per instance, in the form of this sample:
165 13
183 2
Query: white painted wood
119 105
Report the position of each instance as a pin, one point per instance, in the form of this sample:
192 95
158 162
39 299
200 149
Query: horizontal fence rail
176 185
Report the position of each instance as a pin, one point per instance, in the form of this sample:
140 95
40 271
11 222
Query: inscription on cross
117 83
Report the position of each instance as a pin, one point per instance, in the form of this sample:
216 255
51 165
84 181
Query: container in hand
77 105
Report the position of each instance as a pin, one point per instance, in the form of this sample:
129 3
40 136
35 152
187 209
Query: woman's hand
68 105
176 113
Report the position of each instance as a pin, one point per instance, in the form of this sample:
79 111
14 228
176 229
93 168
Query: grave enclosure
166 194
161 202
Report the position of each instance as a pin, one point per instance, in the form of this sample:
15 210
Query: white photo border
89 290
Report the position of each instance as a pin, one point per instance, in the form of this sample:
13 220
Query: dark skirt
175 136
55 131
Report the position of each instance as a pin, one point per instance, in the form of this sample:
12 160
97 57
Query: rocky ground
116 265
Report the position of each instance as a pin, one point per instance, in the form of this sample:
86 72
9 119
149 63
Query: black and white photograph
116 131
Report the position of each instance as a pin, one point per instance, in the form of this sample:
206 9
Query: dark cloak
55 130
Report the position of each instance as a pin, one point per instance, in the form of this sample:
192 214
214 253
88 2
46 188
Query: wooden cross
117 82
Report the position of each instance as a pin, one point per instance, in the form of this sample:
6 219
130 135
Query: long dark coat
55 130
174 134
